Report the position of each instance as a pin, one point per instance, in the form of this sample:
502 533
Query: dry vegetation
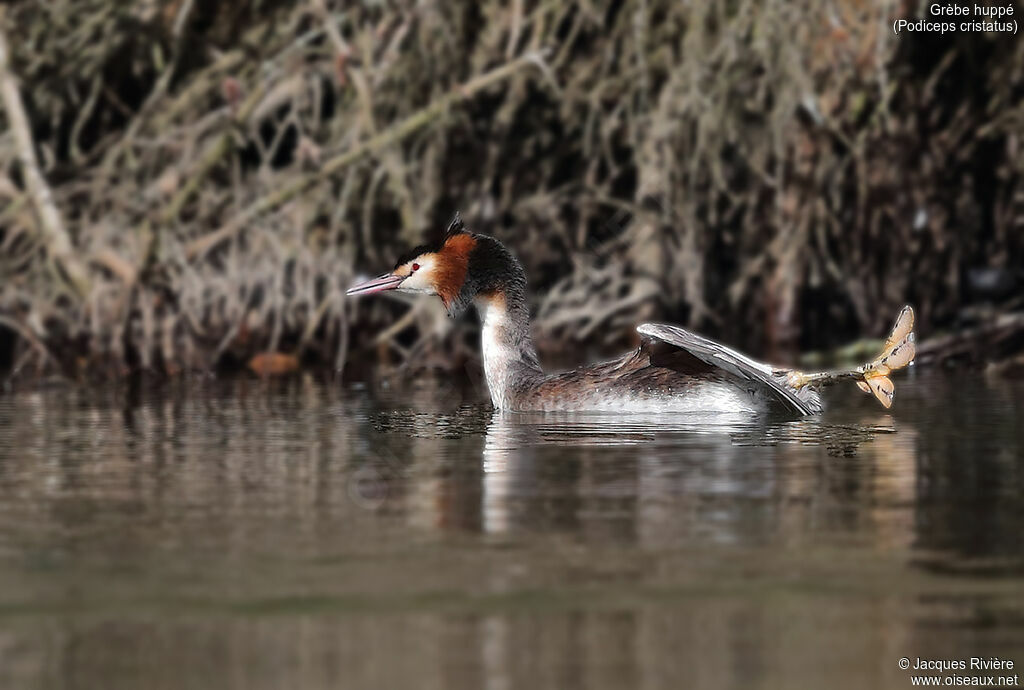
781 174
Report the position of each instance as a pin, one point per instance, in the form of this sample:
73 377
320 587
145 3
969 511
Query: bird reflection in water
641 476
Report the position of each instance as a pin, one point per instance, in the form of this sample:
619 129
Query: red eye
415 267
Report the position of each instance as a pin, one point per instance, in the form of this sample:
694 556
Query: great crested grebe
672 370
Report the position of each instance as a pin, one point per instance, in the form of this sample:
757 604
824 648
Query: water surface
298 534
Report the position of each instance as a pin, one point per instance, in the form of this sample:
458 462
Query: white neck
506 348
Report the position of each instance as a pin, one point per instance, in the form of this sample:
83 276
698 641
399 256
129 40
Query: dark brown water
296 535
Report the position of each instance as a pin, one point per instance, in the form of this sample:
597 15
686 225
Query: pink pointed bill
375 285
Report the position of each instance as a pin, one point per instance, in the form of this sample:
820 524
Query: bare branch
57 241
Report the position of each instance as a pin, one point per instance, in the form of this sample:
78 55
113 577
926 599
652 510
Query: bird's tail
873 377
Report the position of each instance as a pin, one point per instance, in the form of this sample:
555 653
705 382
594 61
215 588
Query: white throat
510 362
498 353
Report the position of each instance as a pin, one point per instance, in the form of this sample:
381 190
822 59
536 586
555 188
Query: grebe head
461 268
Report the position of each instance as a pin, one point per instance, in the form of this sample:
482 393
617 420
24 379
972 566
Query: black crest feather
455 226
